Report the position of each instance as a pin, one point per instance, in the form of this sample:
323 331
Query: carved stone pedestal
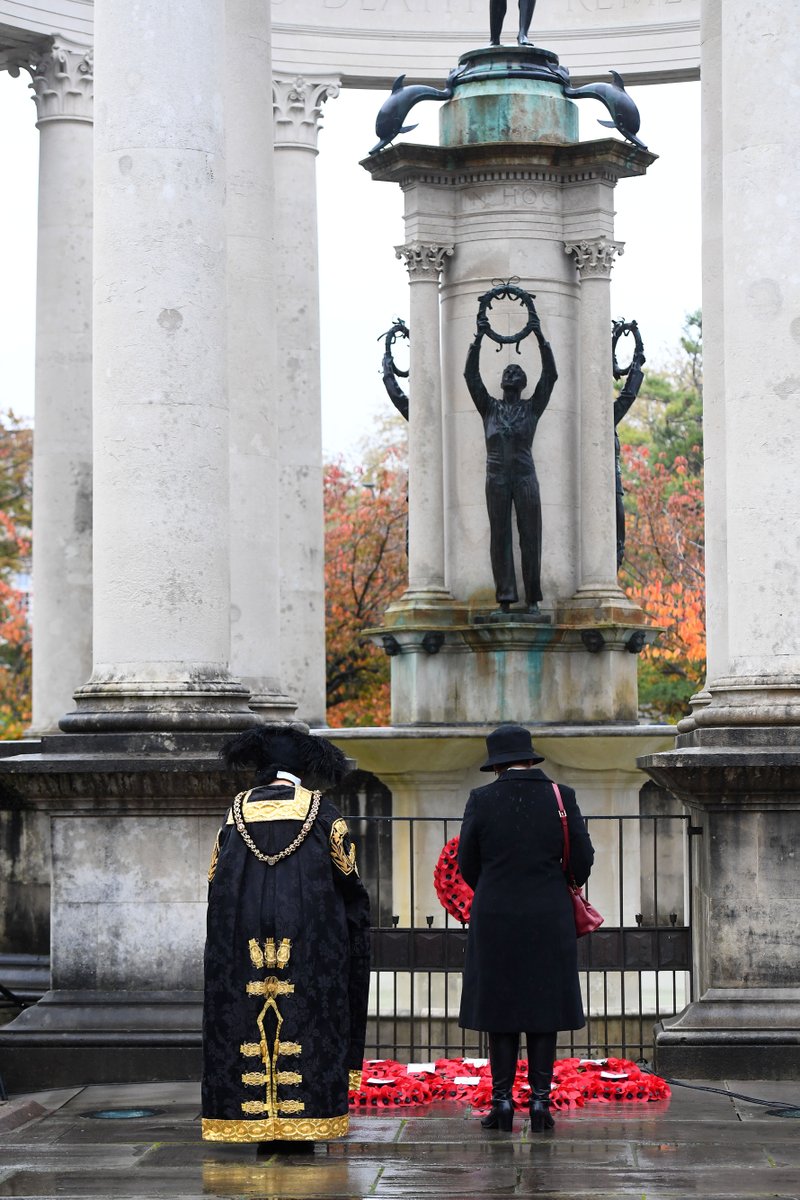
742 787
132 822
453 665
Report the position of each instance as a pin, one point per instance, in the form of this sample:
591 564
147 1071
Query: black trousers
522 494
503 1055
497 12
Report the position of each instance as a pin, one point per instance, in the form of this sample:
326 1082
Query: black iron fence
634 971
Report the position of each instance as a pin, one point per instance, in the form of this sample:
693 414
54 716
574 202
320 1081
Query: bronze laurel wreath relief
272 859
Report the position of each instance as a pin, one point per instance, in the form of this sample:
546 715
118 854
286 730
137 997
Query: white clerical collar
287 775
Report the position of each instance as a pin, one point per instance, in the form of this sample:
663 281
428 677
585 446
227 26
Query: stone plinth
508 94
132 823
742 788
452 666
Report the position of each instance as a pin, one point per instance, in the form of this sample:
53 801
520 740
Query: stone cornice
424 260
297 104
62 81
607 159
594 257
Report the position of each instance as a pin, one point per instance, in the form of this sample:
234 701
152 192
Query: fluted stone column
63 86
298 107
161 532
736 764
253 395
598 586
426 561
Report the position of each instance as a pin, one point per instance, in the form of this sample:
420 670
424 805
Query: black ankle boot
540 1113
501 1116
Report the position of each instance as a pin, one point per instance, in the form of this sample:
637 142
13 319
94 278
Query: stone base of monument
132 822
487 666
734 1033
132 819
741 785
86 1037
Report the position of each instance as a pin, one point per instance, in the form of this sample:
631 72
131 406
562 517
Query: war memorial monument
178 526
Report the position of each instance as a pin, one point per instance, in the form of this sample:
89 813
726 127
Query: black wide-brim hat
509 744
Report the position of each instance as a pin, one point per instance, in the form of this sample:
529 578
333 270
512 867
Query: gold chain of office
272 859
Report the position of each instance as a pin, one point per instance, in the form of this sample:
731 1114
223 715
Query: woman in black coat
521 969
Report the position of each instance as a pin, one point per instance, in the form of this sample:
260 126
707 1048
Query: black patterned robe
286 975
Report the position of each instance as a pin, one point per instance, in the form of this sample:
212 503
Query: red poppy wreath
455 896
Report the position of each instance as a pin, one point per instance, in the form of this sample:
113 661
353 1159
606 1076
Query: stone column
254 542
63 86
298 107
161 530
426 562
598 587
736 764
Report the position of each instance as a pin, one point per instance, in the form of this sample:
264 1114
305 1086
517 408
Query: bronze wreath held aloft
507 290
622 329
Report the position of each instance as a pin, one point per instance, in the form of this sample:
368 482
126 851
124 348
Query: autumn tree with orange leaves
16 451
365 569
663 571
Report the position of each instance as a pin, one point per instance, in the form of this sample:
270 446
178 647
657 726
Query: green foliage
668 414
16 452
663 571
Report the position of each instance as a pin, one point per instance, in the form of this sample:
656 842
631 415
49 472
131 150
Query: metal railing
634 971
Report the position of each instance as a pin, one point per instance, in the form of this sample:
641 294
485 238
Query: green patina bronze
508 95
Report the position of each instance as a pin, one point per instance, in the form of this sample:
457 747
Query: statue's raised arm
472 371
549 375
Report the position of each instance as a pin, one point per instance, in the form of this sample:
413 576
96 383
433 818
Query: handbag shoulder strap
562 812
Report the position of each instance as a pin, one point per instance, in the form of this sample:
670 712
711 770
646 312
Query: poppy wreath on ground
576 1082
455 896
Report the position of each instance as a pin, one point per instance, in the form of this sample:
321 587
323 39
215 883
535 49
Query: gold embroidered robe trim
290 1048
256 955
288 1077
212 870
291 1106
255 1106
345 860
251 1049
298 1129
269 987
254 1078
355 1081
284 954
295 809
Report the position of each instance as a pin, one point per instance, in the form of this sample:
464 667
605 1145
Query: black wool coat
521 970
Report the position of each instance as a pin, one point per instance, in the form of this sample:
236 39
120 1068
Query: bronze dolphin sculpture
393 112
623 110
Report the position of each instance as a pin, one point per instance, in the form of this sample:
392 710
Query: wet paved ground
694 1145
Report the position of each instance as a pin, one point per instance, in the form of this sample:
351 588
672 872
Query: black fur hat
271 748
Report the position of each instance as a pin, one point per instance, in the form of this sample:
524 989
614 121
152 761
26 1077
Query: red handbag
587 918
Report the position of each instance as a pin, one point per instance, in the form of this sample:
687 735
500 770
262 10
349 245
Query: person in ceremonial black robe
287 951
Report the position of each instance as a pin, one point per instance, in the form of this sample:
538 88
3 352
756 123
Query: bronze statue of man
509 426
497 13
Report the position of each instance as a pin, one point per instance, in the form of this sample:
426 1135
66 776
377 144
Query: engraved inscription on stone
621 6
518 196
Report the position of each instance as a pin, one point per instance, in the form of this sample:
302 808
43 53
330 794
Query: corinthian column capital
595 256
297 104
424 260
63 82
